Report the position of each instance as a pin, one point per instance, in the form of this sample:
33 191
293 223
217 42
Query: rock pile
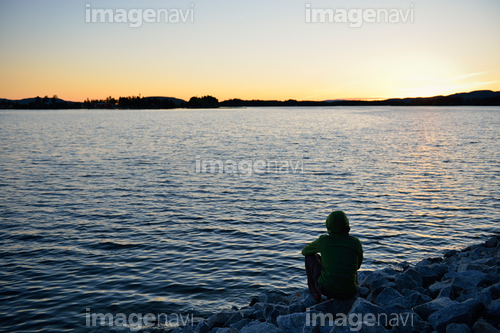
457 293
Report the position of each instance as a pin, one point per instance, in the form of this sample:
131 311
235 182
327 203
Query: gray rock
359 329
486 261
202 327
390 273
258 327
439 269
415 275
364 292
363 307
334 306
458 328
482 295
297 307
450 253
494 290
246 311
405 281
474 267
375 280
292 323
271 318
465 313
452 268
478 253
271 298
362 275
436 287
240 324
416 299
426 309
447 292
374 292
258 315
268 309
392 297
308 301
493 310
428 275
411 324
481 326
187 329
282 309
492 242
259 306
226 330
219 319
233 319
468 279
464 254
424 262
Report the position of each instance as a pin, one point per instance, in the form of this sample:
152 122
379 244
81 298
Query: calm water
106 210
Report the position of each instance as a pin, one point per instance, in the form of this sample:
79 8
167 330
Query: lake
194 211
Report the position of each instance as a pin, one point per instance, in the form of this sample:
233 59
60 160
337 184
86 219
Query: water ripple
104 209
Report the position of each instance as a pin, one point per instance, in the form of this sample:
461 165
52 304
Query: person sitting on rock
334 272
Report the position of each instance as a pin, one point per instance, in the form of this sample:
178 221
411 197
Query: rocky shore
458 292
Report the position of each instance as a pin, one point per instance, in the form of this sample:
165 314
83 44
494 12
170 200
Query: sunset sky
248 49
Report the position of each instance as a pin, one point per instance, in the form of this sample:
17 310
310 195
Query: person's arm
360 255
311 248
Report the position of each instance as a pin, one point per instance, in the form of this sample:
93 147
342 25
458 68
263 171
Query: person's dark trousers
313 271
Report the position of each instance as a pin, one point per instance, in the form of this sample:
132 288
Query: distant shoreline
475 98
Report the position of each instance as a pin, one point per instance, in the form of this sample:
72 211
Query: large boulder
436 287
458 328
410 322
492 242
466 313
481 326
432 273
219 319
482 295
439 269
426 309
240 324
494 290
390 297
292 323
363 317
334 306
405 281
258 327
468 279
493 310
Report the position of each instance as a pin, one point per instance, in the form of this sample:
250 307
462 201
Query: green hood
337 223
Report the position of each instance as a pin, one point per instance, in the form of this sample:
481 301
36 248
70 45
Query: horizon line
369 99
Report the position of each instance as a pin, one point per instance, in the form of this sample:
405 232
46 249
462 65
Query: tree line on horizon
481 98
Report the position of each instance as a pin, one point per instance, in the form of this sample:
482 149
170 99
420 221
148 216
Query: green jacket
341 255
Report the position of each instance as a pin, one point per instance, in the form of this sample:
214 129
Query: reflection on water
105 210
